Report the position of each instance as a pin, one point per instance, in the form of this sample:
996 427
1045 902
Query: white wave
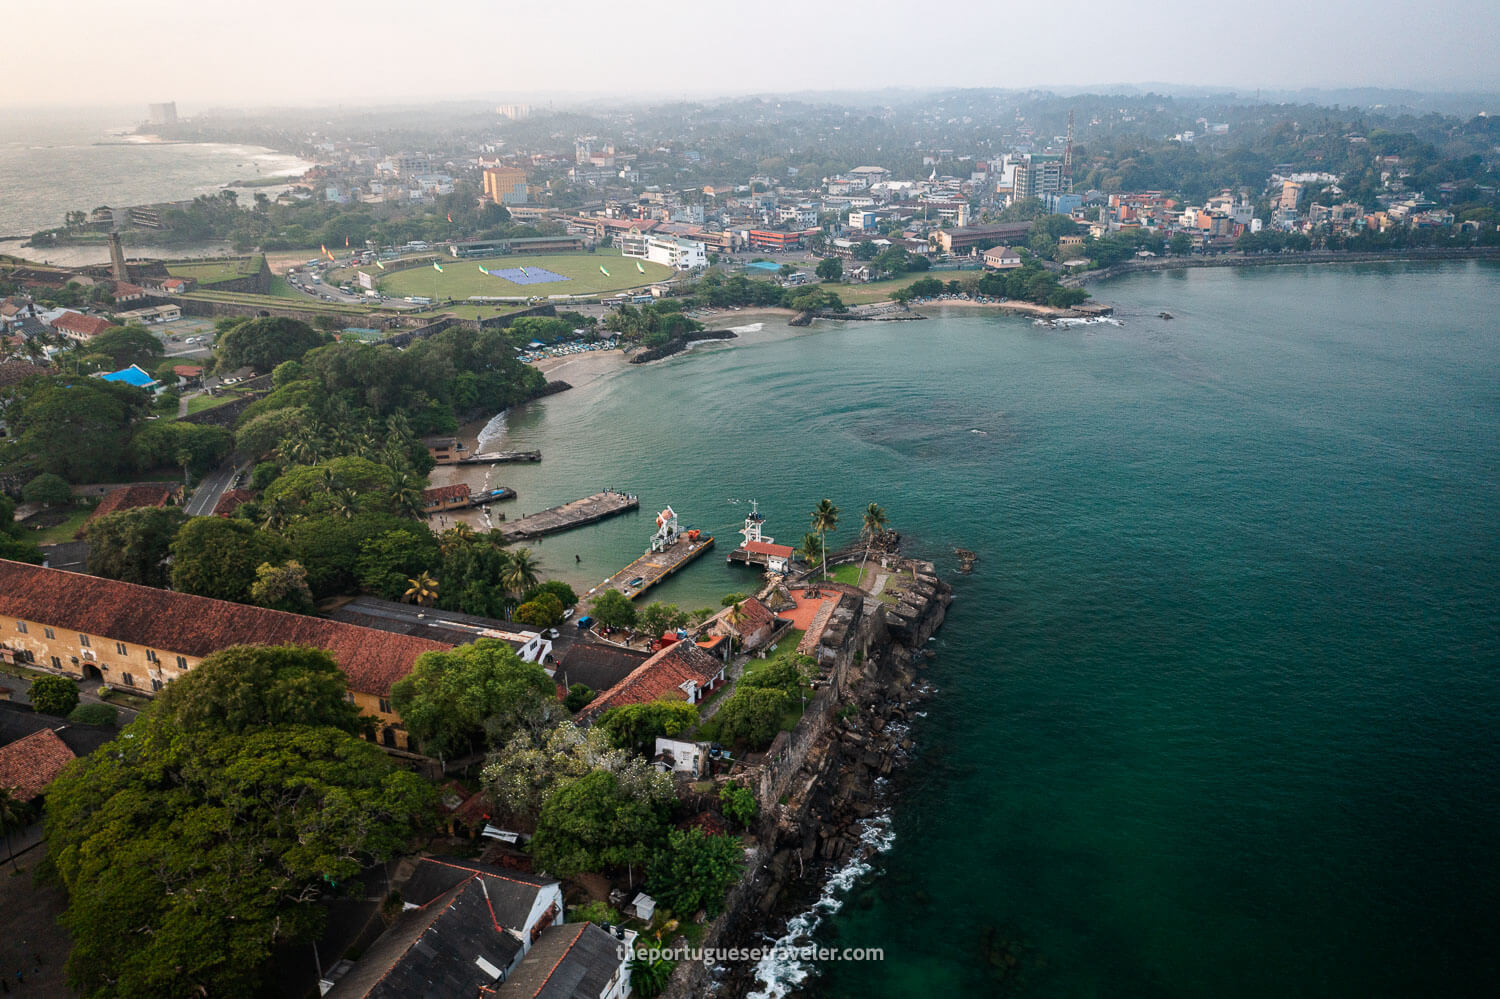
750 328
493 431
780 976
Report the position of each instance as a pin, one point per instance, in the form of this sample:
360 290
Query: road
214 485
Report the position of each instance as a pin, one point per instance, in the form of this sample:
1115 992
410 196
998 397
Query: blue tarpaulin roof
132 375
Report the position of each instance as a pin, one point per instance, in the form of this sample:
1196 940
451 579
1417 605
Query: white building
677 253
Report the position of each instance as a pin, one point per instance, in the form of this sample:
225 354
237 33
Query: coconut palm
874 523
407 492
811 548
275 513
458 536
520 572
825 518
423 591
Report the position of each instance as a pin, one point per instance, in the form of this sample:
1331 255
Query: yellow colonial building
141 638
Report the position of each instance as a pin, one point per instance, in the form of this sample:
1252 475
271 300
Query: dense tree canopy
693 871
127 345
134 546
637 726
14 545
215 557
594 823
264 343
201 838
457 702
93 417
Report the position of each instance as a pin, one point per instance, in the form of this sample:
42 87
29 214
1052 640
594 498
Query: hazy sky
81 52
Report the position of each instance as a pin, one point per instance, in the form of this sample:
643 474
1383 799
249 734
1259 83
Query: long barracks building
141 638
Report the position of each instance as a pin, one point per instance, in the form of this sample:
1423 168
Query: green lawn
849 575
63 532
202 401
273 302
214 271
461 278
282 288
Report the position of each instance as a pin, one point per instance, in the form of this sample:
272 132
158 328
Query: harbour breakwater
821 786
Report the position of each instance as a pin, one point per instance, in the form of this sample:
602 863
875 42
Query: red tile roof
660 676
753 616
230 501
144 494
125 290
442 494
29 764
766 548
75 322
187 370
183 624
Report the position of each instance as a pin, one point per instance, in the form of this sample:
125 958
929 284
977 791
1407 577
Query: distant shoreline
1413 255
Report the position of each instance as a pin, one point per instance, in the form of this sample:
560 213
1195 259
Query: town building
450 497
141 638
968 239
681 671
464 927
1037 175
139 494
134 375
673 251
31 763
78 327
597 666
677 756
450 627
750 623
577 961
506 185
1001 258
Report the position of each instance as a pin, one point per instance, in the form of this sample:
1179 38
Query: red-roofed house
126 292
187 374
76 326
143 638
31 763
441 498
138 495
681 670
176 285
752 625
231 501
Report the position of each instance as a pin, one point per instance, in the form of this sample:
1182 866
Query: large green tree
135 545
458 702
594 823
127 345
216 557
53 695
78 428
264 343
693 871
636 726
752 715
613 609
199 841
47 489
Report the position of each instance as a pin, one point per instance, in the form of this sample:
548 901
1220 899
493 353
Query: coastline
1321 257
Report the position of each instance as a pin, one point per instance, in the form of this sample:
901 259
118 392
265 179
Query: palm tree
811 549
874 523
520 572
12 814
455 537
423 590
345 501
407 492
275 513
824 519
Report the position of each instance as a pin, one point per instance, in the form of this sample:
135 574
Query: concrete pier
575 513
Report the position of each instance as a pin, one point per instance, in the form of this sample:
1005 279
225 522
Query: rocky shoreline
679 344
821 822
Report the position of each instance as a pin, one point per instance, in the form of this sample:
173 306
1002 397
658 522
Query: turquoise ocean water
1217 711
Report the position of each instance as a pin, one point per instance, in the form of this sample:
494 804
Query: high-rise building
163 114
505 185
1038 174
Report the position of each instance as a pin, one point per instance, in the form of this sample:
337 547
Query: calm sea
53 162
1217 711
